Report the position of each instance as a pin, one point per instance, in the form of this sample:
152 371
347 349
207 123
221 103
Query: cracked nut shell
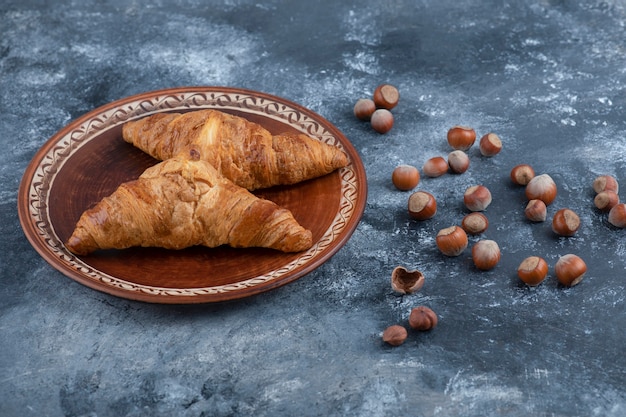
404 281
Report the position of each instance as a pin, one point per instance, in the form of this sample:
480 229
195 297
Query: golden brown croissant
180 203
242 151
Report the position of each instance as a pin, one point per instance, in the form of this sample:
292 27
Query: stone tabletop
548 77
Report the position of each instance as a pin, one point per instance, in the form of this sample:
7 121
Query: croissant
180 203
242 151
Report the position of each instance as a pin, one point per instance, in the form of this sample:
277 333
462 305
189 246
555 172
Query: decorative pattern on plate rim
96 123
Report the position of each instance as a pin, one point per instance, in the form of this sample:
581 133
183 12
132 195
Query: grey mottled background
547 76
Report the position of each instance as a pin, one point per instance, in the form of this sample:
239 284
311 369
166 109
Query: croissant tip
81 244
300 242
75 248
340 160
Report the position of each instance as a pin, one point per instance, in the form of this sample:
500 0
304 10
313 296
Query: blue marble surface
547 76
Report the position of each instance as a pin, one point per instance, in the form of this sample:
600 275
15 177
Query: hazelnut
533 270
364 108
570 269
386 96
522 174
382 120
485 254
541 187
565 222
477 198
536 211
617 216
422 205
423 318
395 335
475 223
405 177
458 161
451 241
404 281
490 144
461 137
435 167
605 183
606 200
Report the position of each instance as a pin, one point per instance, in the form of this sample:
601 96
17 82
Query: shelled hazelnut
364 108
405 177
386 96
458 161
461 137
617 216
452 241
570 269
475 223
536 211
522 174
395 335
422 205
382 121
477 198
423 318
435 167
565 222
541 187
605 183
404 281
606 200
485 254
490 144
533 270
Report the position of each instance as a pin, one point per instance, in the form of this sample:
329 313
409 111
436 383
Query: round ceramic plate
88 159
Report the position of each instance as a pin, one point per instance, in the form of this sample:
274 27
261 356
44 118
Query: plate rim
140 292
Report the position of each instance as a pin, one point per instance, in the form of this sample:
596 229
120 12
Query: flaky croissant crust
184 202
241 150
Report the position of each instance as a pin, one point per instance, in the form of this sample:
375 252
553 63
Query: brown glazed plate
87 159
